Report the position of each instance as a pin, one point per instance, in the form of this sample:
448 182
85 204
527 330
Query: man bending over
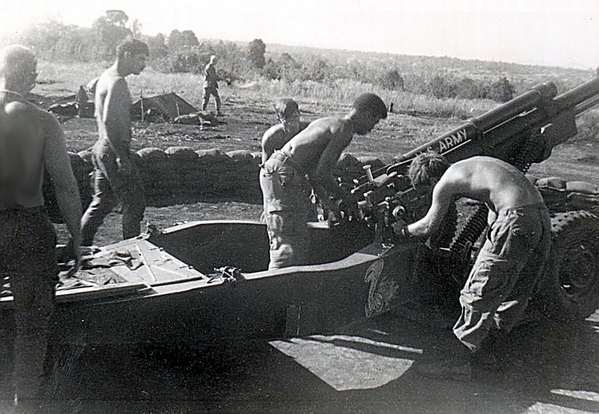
512 258
310 155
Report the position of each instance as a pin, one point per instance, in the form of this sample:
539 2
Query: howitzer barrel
582 97
477 126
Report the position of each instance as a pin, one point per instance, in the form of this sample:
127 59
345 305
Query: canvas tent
168 107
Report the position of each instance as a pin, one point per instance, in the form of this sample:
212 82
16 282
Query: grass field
248 113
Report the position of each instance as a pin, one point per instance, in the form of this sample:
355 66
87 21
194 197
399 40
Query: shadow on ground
365 368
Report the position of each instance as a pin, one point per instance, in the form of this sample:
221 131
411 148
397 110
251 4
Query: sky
543 32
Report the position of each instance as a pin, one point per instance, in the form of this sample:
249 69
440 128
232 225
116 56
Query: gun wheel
570 287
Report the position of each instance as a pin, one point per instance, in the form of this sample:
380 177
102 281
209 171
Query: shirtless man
115 177
512 258
276 136
31 140
310 155
211 85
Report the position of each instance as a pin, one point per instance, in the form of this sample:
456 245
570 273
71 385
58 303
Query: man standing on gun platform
288 113
31 141
310 155
509 263
116 178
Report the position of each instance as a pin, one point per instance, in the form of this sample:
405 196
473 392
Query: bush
392 80
256 51
501 91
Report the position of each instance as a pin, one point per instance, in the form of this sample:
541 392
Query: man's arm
117 120
58 165
267 147
322 177
443 194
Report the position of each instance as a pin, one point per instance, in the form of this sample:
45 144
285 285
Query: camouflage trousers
286 195
505 273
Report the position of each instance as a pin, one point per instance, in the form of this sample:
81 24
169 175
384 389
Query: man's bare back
113 103
21 155
492 181
308 146
486 179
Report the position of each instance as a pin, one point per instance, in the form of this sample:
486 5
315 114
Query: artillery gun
522 131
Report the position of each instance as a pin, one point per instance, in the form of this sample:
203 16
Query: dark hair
427 166
285 107
370 102
133 46
17 60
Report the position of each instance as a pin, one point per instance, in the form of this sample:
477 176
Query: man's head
213 59
132 55
427 168
368 109
18 67
288 113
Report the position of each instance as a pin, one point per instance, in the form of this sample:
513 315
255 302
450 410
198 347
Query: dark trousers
111 187
28 260
214 92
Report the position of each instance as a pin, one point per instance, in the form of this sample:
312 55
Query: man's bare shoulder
331 124
328 121
110 79
30 112
273 131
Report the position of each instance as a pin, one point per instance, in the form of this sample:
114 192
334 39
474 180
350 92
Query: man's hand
400 229
124 166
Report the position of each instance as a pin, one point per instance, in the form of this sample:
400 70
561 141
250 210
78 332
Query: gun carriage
521 132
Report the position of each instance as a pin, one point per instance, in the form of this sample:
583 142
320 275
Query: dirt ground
369 367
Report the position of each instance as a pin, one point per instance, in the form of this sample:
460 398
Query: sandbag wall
182 174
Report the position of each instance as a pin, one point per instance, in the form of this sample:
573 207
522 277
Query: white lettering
452 140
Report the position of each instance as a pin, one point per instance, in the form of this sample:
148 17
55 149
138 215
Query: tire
569 289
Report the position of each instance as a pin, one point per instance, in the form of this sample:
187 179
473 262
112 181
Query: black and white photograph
332 206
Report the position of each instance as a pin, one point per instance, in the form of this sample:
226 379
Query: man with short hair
31 141
310 155
288 114
211 85
512 258
116 178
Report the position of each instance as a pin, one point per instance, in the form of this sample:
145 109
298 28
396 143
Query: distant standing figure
115 177
31 141
309 158
211 85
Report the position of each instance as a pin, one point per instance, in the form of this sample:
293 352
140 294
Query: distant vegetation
431 86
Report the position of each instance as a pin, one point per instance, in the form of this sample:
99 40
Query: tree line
182 51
